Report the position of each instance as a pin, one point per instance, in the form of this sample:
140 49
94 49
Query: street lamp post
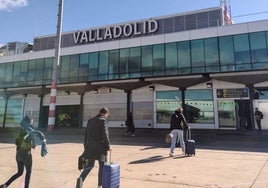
54 80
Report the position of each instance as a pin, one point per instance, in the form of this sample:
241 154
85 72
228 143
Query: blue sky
24 19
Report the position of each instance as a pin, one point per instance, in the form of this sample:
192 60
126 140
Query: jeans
177 137
89 167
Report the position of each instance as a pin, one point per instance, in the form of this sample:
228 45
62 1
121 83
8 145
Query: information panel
235 93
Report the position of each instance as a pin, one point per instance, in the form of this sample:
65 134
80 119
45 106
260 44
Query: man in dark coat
96 145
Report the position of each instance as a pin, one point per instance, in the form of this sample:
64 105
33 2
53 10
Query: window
171 59
258 50
48 70
83 67
2 74
184 57
124 54
74 66
198 58
93 66
147 60
103 65
199 106
226 46
211 55
135 62
166 103
242 53
14 111
38 71
64 69
31 71
158 60
114 64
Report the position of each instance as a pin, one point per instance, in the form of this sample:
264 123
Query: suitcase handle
110 156
188 134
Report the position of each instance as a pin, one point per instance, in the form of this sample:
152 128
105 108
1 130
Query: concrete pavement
224 159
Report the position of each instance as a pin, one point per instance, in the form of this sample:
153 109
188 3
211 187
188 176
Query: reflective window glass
103 65
39 71
124 55
2 73
23 71
199 106
166 103
83 66
184 57
158 59
258 50
93 66
114 64
198 56
48 70
14 111
31 71
16 72
211 55
135 62
64 69
226 48
171 58
74 66
241 49
147 60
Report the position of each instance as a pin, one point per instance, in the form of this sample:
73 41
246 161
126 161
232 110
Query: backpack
22 142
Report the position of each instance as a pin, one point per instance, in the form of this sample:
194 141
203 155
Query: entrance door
243 114
226 113
66 116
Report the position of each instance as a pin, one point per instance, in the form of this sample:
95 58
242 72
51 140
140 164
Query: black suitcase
111 174
189 144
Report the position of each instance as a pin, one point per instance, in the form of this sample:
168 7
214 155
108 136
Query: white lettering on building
113 32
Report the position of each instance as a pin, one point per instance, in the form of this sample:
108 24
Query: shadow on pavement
149 160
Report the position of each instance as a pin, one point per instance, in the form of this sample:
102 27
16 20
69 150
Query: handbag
168 138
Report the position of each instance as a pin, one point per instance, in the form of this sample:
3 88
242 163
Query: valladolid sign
114 32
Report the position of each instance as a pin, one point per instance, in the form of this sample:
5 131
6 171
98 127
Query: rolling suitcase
189 144
111 174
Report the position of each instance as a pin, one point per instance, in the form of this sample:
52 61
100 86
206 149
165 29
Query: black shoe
79 182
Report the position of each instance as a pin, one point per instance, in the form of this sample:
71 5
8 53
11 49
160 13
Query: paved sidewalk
223 159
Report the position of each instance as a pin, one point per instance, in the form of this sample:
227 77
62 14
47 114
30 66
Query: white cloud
8 5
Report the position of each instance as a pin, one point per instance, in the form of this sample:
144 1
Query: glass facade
198 105
243 52
13 112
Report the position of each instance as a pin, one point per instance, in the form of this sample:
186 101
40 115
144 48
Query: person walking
25 141
96 145
130 125
258 117
177 125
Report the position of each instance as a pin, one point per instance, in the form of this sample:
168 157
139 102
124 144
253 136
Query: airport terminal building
217 71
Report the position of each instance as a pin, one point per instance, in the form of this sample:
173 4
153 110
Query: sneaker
171 154
99 186
79 182
3 186
133 135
